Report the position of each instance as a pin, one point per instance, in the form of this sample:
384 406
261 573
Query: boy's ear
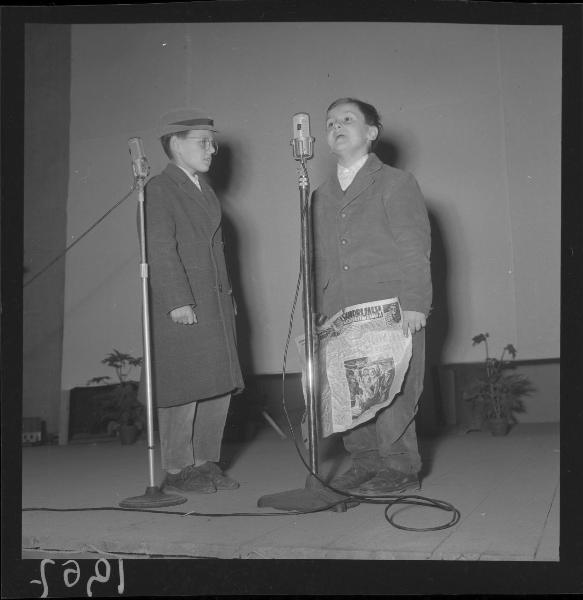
173 145
373 132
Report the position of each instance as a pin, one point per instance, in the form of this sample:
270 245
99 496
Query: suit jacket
371 241
185 251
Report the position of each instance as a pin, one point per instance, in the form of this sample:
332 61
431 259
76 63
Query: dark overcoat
372 241
185 252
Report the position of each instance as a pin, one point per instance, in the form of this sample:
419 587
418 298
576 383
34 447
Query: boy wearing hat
195 367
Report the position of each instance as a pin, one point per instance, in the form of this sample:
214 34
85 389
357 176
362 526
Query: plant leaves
478 339
511 350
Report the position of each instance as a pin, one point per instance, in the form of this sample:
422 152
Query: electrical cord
82 235
186 514
158 511
390 499
200 514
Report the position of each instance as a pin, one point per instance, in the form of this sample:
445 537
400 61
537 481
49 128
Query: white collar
347 174
193 178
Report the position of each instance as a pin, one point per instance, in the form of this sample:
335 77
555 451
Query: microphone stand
308 314
314 496
153 497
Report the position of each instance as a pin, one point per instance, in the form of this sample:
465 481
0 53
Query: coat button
344 241
220 287
346 267
343 215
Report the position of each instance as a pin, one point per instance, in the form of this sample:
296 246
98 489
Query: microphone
139 160
302 143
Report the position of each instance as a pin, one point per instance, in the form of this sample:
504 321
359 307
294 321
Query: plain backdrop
473 111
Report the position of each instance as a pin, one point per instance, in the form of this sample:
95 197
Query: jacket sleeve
409 223
168 279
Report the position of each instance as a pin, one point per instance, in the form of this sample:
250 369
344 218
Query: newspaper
362 357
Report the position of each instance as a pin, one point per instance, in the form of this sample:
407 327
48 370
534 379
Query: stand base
314 496
153 498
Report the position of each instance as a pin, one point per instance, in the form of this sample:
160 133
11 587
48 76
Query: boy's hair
165 141
370 113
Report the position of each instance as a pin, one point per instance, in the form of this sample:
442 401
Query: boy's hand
413 320
320 319
184 315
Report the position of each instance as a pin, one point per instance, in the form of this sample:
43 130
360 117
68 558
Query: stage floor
507 490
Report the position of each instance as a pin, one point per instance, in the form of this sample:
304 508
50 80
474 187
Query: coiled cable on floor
389 499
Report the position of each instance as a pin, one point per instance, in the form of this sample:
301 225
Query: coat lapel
212 204
364 179
205 200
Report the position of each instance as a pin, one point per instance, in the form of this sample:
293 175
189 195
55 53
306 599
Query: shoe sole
348 489
177 489
414 485
223 487
224 483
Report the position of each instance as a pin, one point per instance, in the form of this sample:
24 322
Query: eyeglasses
206 144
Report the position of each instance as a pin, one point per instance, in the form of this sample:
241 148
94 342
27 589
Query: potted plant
498 394
122 414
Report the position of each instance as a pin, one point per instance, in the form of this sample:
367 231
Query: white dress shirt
346 175
193 178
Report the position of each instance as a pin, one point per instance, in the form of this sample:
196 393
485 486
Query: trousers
390 439
193 432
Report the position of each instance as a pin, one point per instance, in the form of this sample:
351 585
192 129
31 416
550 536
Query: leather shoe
389 481
358 473
190 479
218 477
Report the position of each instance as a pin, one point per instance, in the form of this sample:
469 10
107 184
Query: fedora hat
185 119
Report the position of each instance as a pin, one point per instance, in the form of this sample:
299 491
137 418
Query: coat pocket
388 281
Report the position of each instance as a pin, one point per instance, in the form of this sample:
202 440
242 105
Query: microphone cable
158 511
196 513
154 510
390 499
29 281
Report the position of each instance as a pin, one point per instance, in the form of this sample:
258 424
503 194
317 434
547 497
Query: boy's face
347 133
195 151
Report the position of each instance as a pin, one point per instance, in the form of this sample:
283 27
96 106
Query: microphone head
139 162
301 125
136 148
302 143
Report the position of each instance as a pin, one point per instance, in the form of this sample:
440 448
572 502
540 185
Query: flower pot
499 426
128 434
475 420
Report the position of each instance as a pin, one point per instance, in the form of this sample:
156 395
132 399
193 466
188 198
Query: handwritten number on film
71 576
